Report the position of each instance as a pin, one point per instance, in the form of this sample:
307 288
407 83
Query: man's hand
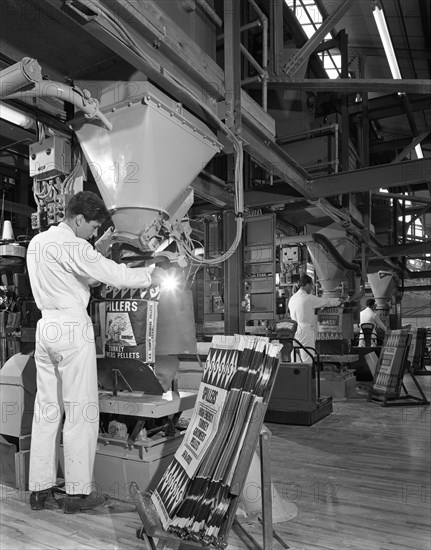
158 275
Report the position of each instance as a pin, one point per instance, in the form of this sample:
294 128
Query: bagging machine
332 252
143 150
383 285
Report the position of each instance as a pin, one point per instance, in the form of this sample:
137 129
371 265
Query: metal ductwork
383 285
332 252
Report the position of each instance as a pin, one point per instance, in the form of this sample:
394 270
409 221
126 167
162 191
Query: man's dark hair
305 279
89 205
370 302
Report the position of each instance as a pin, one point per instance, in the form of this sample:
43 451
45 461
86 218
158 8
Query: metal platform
150 406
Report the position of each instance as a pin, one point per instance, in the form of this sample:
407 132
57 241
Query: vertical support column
232 68
232 64
365 153
365 149
266 484
276 36
233 280
345 122
344 102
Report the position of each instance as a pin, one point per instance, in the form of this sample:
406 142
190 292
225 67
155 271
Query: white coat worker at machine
62 266
302 307
369 315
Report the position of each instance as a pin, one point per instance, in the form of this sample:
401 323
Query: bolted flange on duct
153 152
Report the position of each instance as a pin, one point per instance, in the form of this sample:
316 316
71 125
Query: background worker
62 266
369 315
302 307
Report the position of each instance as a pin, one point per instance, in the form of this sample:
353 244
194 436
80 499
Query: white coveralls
368 315
61 268
301 306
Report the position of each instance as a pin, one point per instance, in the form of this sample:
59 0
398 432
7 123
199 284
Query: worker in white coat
369 315
62 265
302 307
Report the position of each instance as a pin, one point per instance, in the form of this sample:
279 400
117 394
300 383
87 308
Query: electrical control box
50 158
290 254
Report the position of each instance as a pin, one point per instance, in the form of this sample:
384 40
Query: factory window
415 228
308 14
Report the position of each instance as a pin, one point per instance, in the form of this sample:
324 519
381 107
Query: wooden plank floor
360 479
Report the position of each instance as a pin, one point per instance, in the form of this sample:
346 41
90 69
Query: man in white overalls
301 306
62 266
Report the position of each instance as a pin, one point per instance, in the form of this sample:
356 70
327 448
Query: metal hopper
153 152
382 284
331 252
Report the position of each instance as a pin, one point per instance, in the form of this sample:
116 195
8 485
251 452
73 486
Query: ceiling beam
409 250
415 288
425 274
352 85
260 198
389 106
402 174
301 57
293 28
214 190
410 198
377 51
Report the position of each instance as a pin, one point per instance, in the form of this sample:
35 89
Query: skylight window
308 14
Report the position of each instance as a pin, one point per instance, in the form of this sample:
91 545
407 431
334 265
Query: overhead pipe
243 28
251 80
19 75
252 61
81 99
209 10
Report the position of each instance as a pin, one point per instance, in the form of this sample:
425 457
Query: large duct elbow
80 98
331 261
19 75
332 251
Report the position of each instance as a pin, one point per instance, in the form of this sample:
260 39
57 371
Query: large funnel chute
153 152
332 252
383 285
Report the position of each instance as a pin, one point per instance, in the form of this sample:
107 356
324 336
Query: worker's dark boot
74 504
38 498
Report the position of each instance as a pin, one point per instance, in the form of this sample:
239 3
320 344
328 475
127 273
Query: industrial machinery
332 252
143 152
303 392
295 398
383 285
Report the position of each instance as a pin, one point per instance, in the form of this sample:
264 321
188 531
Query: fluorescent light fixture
385 37
382 27
419 152
16 117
